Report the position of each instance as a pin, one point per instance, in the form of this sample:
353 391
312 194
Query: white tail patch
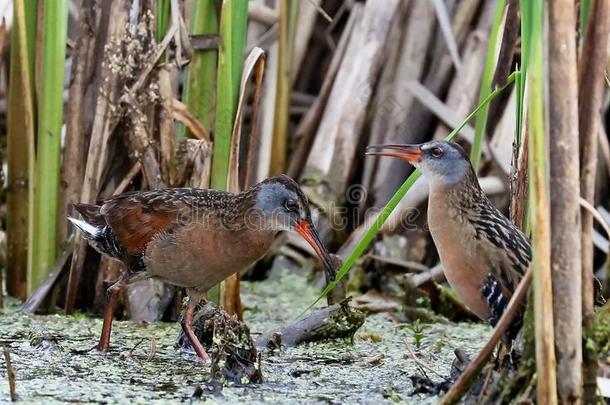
89 231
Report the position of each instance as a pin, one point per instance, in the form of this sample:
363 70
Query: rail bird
483 254
194 238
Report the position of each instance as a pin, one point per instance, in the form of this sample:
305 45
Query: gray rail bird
483 254
194 238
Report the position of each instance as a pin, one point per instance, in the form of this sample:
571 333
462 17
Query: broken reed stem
473 369
591 86
565 191
10 374
230 296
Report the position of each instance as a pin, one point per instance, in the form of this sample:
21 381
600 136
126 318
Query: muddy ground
52 363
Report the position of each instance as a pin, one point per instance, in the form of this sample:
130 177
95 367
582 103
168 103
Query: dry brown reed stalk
593 60
20 149
564 193
81 96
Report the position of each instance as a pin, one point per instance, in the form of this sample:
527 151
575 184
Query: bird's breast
465 267
196 256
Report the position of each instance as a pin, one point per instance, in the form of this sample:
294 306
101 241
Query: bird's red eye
291 206
437 152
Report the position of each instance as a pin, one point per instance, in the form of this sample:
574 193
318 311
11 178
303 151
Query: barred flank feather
492 293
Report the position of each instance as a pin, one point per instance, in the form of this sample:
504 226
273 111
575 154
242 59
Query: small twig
485 385
180 112
417 279
320 10
373 361
421 365
596 215
135 169
153 347
474 368
10 374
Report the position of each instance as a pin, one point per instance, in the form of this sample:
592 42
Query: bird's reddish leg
112 297
187 327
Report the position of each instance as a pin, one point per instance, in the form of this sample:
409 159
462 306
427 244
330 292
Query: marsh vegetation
98 98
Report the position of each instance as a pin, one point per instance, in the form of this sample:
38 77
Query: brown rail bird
194 238
483 254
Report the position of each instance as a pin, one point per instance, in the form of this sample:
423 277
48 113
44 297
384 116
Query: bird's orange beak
410 153
309 233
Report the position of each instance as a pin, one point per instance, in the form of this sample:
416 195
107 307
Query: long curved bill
410 153
309 233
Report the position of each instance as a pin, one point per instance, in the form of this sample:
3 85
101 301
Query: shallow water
52 364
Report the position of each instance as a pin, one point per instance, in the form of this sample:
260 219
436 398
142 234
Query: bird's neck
461 194
235 210
241 214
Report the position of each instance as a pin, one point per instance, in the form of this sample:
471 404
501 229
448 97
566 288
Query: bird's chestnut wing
135 218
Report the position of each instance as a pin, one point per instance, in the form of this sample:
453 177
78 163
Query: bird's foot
205 360
99 350
190 352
